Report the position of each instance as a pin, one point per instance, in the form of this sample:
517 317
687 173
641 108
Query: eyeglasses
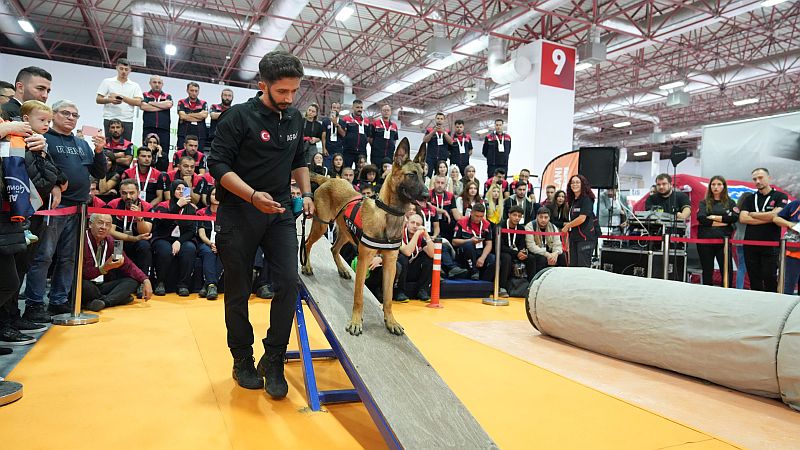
67 114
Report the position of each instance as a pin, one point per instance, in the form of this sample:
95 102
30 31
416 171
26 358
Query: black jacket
43 173
729 213
12 238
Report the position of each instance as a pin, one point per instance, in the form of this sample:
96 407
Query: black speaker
599 166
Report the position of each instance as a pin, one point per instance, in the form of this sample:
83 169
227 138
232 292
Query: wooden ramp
407 399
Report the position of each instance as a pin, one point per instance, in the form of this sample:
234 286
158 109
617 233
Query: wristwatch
308 195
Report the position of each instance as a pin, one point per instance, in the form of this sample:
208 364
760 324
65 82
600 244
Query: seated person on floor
367 190
545 251
185 172
133 231
207 250
109 279
349 174
173 240
430 223
415 260
513 251
473 244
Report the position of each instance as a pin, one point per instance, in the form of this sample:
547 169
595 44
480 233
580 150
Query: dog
382 222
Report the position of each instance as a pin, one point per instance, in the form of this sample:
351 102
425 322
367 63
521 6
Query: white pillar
541 107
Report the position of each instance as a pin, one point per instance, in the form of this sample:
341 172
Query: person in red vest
133 231
496 148
473 243
192 114
145 176
185 172
192 150
383 137
118 145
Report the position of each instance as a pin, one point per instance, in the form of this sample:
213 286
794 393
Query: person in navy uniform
357 131
496 148
439 141
257 151
226 99
332 136
461 149
383 136
191 149
155 106
121 148
192 114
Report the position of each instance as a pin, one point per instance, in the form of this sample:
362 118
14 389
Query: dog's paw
355 328
344 274
394 327
307 271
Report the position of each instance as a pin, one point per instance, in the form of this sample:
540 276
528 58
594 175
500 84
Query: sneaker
212 292
271 369
202 293
400 297
26 326
36 313
30 238
475 276
160 290
502 293
245 374
456 271
183 292
63 308
423 295
264 292
13 338
96 305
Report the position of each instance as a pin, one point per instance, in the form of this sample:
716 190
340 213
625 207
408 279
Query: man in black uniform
256 152
757 213
668 200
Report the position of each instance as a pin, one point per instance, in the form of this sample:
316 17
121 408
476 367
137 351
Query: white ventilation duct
504 72
10 27
273 30
347 97
205 16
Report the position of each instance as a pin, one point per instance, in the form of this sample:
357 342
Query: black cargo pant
241 229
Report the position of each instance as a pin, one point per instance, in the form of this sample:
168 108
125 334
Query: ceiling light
582 66
621 124
25 25
475 46
417 122
483 131
344 112
412 110
746 101
772 3
679 134
345 13
170 50
640 154
673 85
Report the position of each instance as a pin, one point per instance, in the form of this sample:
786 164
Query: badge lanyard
501 141
763 208
461 145
439 204
176 232
387 132
360 124
439 138
406 239
510 235
333 137
524 205
143 190
427 219
480 234
94 255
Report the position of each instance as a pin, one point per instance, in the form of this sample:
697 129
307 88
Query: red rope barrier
70 210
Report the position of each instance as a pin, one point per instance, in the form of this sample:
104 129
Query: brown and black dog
404 185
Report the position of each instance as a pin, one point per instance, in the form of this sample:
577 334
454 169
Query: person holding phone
109 277
119 96
134 232
173 240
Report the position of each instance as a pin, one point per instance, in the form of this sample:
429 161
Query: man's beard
227 102
115 136
278 105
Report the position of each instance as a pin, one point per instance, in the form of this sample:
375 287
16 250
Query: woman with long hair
494 204
581 226
337 163
318 165
470 197
469 175
441 170
717 214
559 209
455 180
312 132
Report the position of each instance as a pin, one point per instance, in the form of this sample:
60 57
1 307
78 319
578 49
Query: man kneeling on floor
109 279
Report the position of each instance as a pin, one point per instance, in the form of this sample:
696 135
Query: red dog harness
352 220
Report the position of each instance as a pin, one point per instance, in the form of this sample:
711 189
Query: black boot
271 369
244 372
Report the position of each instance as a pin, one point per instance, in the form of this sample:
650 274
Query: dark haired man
545 251
192 114
191 149
473 243
118 145
461 149
439 141
6 92
512 249
357 129
667 199
496 148
119 95
133 231
145 176
32 83
256 152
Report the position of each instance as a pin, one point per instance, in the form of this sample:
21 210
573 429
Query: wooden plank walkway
401 390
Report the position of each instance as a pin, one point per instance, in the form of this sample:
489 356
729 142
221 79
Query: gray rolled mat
727 336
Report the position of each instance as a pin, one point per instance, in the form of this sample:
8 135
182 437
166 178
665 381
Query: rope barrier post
495 300
782 266
665 249
726 264
76 317
436 276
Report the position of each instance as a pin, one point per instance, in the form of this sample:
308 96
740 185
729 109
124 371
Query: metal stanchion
782 266
77 317
665 250
495 300
437 273
726 264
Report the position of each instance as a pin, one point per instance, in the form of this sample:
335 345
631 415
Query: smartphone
119 97
117 250
187 192
90 132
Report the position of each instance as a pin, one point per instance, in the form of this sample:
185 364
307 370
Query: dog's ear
420 158
403 147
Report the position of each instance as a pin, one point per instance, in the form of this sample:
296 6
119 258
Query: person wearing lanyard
582 233
332 136
716 213
173 240
496 148
383 137
192 114
473 243
513 249
520 199
545 251
192 145
461 149
133 231
207 250
758 213
312 133
357 129
443 201
257 152
108 279
439 141
415 260
145 176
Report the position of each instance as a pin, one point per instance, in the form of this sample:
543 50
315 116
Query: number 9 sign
558 66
